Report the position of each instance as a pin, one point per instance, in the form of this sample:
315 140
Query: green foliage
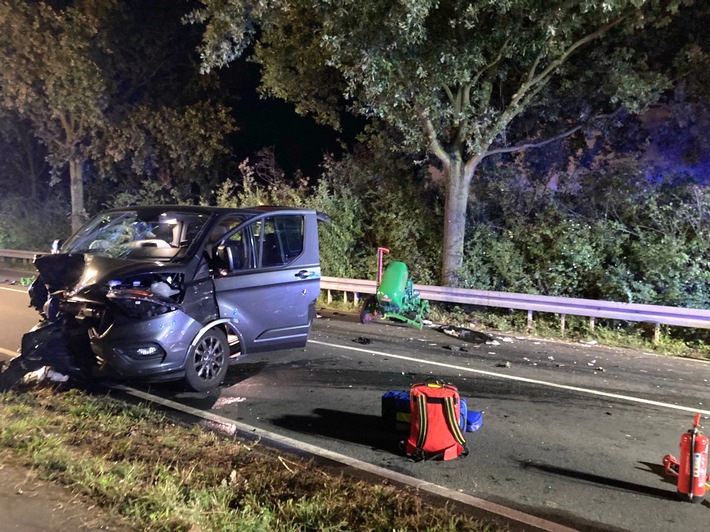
29 224
47 72
343 253
667 254
404 61
251 190
373 198
494 262
112 89
148 192
645 243
382 202
449 77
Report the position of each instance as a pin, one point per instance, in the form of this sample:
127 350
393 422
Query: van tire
208 361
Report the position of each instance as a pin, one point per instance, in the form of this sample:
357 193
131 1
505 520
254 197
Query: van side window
267 243
234 253
280 239
238 249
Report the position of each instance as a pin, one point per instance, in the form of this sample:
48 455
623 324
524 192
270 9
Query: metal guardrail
682 317
658 314
17 254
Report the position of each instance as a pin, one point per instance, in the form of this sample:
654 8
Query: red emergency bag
434 431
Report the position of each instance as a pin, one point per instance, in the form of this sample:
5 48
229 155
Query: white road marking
519 379
14 290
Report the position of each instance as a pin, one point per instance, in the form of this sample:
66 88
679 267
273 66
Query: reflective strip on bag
453 421
423 421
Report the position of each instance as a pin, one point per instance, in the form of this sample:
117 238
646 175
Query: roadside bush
148 192
383 202
373 200
647 242
28 224
494 261
342 252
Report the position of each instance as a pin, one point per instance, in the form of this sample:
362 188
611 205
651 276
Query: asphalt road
15 315
572 433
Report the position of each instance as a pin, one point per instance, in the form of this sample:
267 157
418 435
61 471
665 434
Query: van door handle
304 274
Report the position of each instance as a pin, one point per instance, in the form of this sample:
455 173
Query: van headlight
138 303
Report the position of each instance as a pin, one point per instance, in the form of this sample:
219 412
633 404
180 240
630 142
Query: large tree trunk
76 189
457 176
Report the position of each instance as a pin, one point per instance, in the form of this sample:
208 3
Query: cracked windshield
126 235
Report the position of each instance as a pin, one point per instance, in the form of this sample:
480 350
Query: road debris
455 348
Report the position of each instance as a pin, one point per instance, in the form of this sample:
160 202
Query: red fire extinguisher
692 472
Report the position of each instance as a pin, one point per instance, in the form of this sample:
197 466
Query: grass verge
162 475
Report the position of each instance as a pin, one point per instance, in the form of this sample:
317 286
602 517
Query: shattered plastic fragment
46 372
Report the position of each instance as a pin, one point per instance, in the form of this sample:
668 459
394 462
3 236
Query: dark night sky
298 142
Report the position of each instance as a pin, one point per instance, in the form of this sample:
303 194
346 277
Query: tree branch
543 77
533 67
490 65
521 147
463 126
533 86
433 142
449 94
432 138
565 134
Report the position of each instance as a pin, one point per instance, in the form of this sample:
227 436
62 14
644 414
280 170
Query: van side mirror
56 245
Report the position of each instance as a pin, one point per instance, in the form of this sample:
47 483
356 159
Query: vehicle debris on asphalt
467 335
455 348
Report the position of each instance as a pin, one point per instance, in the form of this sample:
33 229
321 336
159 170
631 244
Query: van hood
74 271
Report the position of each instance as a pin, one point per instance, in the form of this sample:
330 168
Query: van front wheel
208 361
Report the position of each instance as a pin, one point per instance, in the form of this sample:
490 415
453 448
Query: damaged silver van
163 293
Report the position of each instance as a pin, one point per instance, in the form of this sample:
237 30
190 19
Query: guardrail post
563 320
657 334
330 297
530 320
592 323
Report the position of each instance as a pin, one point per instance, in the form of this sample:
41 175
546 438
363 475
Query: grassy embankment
160 474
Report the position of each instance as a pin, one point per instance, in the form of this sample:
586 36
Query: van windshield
131 234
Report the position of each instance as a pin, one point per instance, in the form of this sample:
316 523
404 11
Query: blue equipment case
396 412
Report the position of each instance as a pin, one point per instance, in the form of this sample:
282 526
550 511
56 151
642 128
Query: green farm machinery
395 297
